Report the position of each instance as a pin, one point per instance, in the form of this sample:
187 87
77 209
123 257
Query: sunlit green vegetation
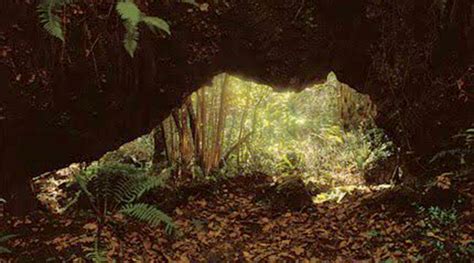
325 134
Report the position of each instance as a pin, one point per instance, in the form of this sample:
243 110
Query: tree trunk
159 141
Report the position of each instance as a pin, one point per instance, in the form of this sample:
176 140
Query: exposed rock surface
73 102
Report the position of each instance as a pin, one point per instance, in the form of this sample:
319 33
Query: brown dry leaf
183 259
431 234
311 260
247 255
343 244
178 212
204 7
90 226
202 203
298 250
268 227
147 244
272 259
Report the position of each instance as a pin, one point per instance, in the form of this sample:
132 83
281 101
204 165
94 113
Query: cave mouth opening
324 136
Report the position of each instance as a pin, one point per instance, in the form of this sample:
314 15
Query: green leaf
129 12
131 15
51 22
157 22
54 28
149 214
130 41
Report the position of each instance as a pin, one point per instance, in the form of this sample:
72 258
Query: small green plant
442 217
439 217
373 233
116 188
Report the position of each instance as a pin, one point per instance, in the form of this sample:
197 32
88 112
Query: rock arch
64 103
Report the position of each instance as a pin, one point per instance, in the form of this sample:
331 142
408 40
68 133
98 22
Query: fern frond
459 152
129 11
116 183
149 214
130 40
137 186
132 16
156 22
51 22
98 256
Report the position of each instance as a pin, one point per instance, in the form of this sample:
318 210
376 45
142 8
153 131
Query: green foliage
438 217
132 16
98 256
4 238
115 187
304 132
116 183
156 22
325 133
47 12
128 11
148 213
458 158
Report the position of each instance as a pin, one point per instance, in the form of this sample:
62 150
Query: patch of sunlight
337 194
50 187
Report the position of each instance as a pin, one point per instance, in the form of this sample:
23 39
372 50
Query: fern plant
112 188
117 187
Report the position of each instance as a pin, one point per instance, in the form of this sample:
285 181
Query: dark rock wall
61 103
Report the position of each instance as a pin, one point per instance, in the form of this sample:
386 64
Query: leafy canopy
127 10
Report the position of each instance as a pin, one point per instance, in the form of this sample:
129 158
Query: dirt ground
236 222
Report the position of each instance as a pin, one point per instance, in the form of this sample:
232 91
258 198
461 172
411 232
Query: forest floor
232 222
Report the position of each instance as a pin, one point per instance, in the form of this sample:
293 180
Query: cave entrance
324 136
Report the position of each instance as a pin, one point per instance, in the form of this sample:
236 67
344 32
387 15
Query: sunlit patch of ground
51 188
338 193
